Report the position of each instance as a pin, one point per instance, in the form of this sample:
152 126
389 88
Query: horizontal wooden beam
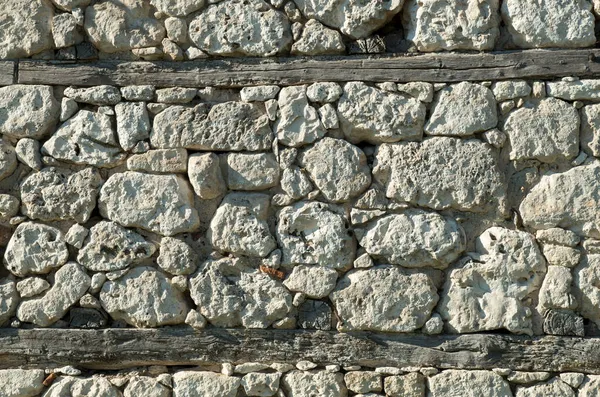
7 70
123 348
436 67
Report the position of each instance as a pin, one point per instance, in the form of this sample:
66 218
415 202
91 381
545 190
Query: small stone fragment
100 95
314 281
177 29
259 93
175 95
260 384
133 123
164 161
178 8
434 326
328 116
138 92
409 385
250 171
511 89
9 206
195 319
204 172
298 122
200 383
573 379
419 90
314 383
468 384
561 256
521 377
317 39
32 286
71 386
295 183
495 137
324 92
177 257
64 31
590 129
68 107
27 111
363 381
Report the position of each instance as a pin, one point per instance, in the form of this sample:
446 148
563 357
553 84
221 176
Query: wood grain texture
122 348
437 67
7 69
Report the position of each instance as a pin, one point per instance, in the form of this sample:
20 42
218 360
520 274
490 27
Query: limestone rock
240 225
241 28
8 159
554 388
363 381
353 18
417 89
360 295
462 109
114 26
160 203
586 281
35 248
21 382
69 386
26 111
9 299
315 233
204 172
561 256
434 25
590 130
32 286
26 28
69 5
590 386
147 387
372 115
111 247
144 298
298 122
9 206
175 95
577 90
554 120
313 281
229 126
511 89
259 93
230 293
316 39
555 292
573 379
138 92
64 31
329 117
324 92
295 183
493 292
178 8
68 107
567 200
177 257
314 383
552 23
409 385
76 235
200 383
250 171
338 168
133 123
165 161
86 138
70 284
28 152
441 173
468 384
558 236
260 384
101 95
53 194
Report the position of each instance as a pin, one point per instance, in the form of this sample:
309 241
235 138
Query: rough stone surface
505 90
441 173
297 123
462 109
163 161
260 384
9 299
554 120
101 95
313 281
360 295
414 238
28 152
146 386
324 92
315 233
434 25
577 90
555 292
21 382
71 387
204 172
241 28
32 286
27 111
167 201
409 385
555 388
200 383
468 384
363 381
314 383
372 115
250 171
177 257
26 28
316 39
133 124
178 8
493 291
590 130
586 278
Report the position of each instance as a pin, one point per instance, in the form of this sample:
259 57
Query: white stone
175 95
65 30
441 173
133 123
416 89
552 23
573 379
260 384
138 92
468 384
68 107
162 161
177 257
554 120
9 299
26 28
250 171
196 320
329 117
434 326
360 295
510 89
144 298
35 248
495 137
28 152
295 183
554 388
259 93
146 386
200 383
590 386
178 8
32 286
578 90
590 130
70 284
555 292
561 256
53 194
434 25
159 203
21 382
317 39
494 292
298 122
204 172
9 206
314 383
462 109
324 92
8 159
71 5
314 281
98 280
100 95
248 367
27 111
70 387
363 381
372 115
522 377
177 28
585 287
409 385
414 238
241 28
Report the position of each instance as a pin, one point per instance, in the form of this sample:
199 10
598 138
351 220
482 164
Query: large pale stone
26 28
178 8
120 25
205 175
338 168
146 386
555 292
494 291
554 388
363 381
298 122
35 248
549 23
590 387
54 194
370 300
462 383
76 387
229 126
577 90
510 89
240 225
241 28
86 138
163 204
568 200
110 247
27 111
100 95
230 292
250 171
314 281
354 18
434 25
545 130
462 109
176 257
144 297
9 299
372 115
260 384
590 130
70 284
201 383
133 123
415 238
314 383
316 39
409 385
315 233
441 173
21 382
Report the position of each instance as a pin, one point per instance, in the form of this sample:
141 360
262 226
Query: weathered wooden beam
7 70
437 67
122 348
